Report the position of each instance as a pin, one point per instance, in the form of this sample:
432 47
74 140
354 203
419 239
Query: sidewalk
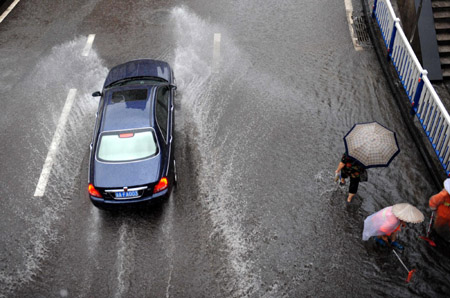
425 148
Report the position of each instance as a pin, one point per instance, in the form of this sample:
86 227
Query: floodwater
258 136
275 129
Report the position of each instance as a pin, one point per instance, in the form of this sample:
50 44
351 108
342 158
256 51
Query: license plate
126 194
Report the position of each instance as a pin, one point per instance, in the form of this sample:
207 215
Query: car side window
162 109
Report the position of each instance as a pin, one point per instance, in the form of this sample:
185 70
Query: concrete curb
432 163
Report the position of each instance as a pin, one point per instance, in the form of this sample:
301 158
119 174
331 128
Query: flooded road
266 91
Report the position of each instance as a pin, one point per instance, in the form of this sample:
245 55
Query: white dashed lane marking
59 133
53 150
88 45
216 53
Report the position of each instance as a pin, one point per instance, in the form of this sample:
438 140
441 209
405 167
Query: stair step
446 73
438 25
443 36
440 4
444 49
445 60
442 14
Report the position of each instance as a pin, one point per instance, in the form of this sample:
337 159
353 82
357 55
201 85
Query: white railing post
418 93
391 42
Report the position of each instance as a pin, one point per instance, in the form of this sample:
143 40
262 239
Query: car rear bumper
111 204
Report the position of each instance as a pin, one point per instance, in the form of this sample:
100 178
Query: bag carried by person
363 176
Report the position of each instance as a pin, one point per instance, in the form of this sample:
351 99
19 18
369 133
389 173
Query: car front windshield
139 81
125 146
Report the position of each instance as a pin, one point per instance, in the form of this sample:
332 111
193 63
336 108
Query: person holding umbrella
367 145
350 168
440 203
386 223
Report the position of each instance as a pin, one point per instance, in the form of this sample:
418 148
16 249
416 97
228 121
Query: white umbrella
407 213
372 144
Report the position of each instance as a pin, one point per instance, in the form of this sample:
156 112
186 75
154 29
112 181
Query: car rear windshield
129 95
123 146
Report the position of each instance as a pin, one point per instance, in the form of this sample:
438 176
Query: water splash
63 68
193 60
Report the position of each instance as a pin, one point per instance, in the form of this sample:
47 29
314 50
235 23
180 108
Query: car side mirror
173 87
97 94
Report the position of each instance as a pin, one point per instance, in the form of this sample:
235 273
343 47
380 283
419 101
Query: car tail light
93 192
126 135
161 185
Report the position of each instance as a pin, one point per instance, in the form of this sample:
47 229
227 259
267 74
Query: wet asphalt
258 137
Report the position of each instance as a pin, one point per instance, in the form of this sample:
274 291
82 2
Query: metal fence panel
427 105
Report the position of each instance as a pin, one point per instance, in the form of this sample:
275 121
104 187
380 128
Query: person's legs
343 177
380 241
394 236
354 182
394 243
350 197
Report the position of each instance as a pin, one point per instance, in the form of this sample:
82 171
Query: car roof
128 114
139 68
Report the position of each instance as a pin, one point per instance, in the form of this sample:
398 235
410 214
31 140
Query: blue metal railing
426 104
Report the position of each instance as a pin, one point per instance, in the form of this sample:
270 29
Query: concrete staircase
441 13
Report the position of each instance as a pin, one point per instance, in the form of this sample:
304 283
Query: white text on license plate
126 194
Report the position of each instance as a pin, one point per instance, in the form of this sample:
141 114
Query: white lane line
88 45
43 179
121 257
216 53
125 259
8 10
349 12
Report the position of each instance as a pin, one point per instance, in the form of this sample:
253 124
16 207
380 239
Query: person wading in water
350 168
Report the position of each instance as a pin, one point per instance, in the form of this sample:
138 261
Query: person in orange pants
441 204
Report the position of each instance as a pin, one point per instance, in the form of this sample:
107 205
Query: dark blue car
131 158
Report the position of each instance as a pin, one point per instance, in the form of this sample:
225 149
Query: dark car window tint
127 146
129 95
162 109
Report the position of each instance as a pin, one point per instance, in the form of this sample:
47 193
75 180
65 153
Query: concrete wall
407 9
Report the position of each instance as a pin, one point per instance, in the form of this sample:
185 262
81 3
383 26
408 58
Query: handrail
427 106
